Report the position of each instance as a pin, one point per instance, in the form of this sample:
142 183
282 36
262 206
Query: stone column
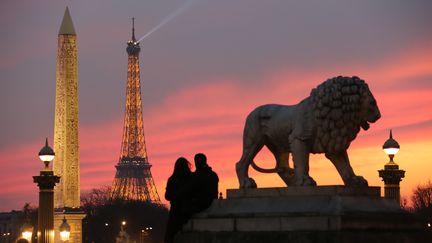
46 182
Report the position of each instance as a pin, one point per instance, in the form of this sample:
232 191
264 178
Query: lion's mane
336 105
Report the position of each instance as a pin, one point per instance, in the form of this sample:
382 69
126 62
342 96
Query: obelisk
66 145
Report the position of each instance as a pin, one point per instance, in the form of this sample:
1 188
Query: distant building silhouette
10 225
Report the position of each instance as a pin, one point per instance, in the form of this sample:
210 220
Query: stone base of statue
74 218
336 214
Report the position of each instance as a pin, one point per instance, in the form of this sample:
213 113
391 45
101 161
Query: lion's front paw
248 183
357 181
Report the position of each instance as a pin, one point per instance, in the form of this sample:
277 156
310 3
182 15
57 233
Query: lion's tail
262 170
272 170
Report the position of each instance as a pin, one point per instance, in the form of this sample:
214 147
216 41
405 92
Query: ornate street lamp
27 231
46 154
64 230
391 147
46 182
391 175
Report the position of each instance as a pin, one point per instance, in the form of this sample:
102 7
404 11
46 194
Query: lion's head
341 106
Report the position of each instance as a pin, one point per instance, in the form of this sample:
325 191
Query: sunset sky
203 72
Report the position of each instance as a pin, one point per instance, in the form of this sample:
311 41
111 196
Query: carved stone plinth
304 214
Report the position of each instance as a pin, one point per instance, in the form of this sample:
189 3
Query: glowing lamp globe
64 230
391 151
46 154
27 232
391 147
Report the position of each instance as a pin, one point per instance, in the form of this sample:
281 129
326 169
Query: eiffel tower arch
133 179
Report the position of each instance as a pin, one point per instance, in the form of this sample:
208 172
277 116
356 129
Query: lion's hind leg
285 172
300 154
283 169
249 152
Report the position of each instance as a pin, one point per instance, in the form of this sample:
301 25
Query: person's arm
169 190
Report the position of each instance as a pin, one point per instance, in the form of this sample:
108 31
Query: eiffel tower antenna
133 29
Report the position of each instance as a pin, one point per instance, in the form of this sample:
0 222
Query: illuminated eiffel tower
133 179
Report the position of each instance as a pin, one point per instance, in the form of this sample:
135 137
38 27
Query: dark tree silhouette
104 217
422 197
95 198
422 201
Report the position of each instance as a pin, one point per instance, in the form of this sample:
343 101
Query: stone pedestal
74 218
304 214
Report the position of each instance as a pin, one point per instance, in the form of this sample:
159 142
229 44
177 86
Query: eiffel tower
133 179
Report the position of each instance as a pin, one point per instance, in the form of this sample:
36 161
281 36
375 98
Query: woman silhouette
173 193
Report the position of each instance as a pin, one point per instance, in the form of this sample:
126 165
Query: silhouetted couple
189 192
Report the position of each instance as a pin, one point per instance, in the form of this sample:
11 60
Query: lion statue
325 122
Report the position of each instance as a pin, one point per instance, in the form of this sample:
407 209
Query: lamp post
64 230
391 175
122 237
46 182
145 233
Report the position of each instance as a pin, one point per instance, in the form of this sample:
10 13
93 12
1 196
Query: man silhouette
205 184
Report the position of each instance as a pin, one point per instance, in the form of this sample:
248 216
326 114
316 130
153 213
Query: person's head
200 161
182 166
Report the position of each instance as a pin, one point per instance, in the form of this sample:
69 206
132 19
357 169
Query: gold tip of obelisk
67 27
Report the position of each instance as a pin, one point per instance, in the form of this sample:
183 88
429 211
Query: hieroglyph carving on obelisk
66 146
